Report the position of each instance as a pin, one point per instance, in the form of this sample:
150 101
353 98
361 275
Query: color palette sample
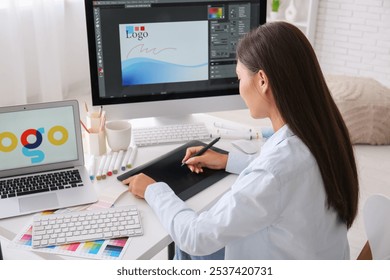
99 249
92 247
115 247
26 238
70 247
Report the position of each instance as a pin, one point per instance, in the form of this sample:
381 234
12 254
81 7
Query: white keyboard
89 225
166 134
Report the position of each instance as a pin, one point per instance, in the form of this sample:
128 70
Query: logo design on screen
136 32
31 139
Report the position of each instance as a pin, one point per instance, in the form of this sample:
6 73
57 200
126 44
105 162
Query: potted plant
275 4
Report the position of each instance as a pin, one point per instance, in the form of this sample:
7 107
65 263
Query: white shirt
276 209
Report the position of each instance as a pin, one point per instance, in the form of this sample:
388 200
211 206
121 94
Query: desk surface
155 237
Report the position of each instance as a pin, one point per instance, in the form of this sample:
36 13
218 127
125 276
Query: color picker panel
215 13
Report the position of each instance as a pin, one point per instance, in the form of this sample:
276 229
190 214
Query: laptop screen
37 137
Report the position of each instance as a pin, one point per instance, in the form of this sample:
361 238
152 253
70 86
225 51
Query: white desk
155 238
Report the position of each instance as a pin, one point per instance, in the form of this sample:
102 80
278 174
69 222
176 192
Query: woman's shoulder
289 154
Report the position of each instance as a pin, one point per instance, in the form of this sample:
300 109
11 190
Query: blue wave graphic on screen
140 71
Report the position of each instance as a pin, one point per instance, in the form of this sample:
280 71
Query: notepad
182 181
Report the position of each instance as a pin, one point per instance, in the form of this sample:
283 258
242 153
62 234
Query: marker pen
106 166
232 127
117 164
91 167
101 166
112 163
231 134
130 161
126 158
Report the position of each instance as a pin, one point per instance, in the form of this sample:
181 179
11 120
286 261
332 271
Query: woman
297 199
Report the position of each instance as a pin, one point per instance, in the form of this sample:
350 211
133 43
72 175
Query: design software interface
157 47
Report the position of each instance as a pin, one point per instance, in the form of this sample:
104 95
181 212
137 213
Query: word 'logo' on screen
136 32
31 139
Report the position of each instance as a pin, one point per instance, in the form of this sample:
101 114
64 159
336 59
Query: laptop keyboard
40 183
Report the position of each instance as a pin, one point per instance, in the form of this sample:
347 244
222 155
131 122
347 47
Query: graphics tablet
182 181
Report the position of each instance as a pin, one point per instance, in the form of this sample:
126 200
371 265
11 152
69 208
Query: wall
353 38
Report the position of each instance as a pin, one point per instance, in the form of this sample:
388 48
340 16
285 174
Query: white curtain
43 50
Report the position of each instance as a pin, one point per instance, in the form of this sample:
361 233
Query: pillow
364 104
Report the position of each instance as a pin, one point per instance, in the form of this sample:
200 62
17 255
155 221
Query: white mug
118 135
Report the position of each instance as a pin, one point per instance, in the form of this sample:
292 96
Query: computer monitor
154 58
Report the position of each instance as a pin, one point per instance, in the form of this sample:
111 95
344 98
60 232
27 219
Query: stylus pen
204 149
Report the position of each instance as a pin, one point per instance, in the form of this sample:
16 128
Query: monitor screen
157 50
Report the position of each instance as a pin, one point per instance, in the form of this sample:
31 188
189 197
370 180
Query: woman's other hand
138 184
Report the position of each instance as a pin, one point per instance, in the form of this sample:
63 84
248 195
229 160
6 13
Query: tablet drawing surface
182 181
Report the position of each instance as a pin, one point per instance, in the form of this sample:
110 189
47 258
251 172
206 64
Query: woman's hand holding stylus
209 159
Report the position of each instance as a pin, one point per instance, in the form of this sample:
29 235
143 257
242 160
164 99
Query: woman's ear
262 81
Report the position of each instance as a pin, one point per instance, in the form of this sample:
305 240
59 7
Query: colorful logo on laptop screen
215 13
136 32
31 139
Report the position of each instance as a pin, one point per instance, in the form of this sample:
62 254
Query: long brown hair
283 52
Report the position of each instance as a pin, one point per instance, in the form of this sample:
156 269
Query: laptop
41 159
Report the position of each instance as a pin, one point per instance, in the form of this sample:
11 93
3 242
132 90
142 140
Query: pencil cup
96 143
94 121
118 135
